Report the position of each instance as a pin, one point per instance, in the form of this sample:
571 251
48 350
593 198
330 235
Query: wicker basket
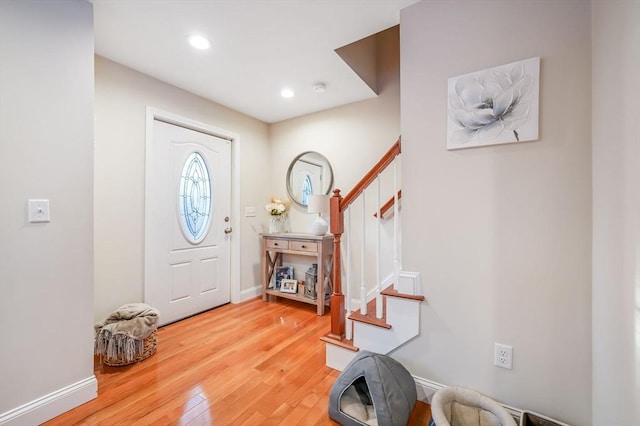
150 344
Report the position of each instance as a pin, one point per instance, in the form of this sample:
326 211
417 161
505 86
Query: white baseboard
250 293
49 406
426 388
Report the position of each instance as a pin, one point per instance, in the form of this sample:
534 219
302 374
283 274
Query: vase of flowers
277 209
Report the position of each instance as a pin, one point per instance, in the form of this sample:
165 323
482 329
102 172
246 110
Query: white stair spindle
396 243
348 323
378 248
363 288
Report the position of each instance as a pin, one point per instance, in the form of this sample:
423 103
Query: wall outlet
503 356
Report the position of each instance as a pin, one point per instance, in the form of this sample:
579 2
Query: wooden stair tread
343 343
391 291
370 317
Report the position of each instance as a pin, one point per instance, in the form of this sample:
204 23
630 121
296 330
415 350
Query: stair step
370 317
339 352
391 291
399 324
343 343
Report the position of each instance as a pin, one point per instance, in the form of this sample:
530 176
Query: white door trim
168 117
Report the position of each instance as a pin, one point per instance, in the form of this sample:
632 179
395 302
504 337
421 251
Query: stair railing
338 206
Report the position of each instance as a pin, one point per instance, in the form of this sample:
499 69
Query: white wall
501 234
121 97
46 270
352 137
616 212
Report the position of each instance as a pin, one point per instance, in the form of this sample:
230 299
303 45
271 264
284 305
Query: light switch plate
39 211
249 212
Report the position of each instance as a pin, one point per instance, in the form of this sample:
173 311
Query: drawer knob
303 246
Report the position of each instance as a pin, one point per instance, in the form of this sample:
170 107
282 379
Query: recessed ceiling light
286 93
199 42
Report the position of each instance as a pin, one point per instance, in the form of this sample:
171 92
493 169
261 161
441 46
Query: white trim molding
49 406
426 389
249 293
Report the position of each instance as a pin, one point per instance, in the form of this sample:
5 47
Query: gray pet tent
373 389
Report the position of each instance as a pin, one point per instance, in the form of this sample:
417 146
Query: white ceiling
258 47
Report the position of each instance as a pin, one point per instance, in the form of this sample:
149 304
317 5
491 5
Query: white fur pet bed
460 406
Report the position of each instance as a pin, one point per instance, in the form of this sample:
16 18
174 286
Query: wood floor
255 363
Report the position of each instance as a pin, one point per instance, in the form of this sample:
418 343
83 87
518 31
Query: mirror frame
293 162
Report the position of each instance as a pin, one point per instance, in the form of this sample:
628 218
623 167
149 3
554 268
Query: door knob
228 230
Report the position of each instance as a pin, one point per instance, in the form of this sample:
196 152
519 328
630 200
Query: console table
275 246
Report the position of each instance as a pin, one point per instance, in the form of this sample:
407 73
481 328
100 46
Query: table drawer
308 246
276 244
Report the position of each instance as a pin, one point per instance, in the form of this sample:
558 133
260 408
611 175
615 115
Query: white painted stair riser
402 314
404 317
405 314
337 357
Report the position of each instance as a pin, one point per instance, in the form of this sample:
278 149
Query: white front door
187 221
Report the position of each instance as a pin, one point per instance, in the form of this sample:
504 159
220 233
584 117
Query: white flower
485 104
276 207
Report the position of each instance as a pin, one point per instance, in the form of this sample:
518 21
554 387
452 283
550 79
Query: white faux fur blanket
122 333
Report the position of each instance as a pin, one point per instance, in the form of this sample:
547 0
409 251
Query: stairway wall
501 234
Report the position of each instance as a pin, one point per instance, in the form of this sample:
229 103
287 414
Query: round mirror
309 173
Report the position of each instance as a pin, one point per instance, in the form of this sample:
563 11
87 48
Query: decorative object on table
310 282
277 209
494 106
289 286
127 335
319 204
282 273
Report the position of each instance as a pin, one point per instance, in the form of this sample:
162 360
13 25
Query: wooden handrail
386 206
337 206
387 159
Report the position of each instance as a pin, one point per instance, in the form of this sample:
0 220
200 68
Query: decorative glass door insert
194 198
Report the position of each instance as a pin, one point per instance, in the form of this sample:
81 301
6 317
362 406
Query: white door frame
234 261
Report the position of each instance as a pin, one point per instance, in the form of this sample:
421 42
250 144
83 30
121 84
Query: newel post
337 298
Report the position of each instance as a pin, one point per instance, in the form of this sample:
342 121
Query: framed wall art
494 106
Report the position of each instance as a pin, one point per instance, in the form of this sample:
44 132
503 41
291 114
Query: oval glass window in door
307 189
194 198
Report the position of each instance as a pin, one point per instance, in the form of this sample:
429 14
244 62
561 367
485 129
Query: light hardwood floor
254 363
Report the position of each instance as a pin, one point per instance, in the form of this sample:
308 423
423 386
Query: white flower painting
494 106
